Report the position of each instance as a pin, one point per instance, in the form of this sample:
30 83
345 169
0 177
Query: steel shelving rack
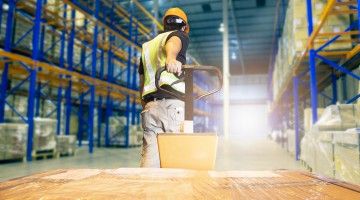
307 74
98 36
101 75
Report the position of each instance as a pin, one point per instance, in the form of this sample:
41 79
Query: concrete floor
233 154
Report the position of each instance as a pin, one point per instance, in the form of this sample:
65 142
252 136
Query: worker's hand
173 66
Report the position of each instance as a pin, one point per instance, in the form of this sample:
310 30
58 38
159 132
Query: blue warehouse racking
316 68
87 50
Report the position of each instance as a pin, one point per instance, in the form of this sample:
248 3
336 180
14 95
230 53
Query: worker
162 112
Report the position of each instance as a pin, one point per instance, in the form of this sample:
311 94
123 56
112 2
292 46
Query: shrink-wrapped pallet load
44 133
324 156
66 144
291 141
347 156
48 109
308 123
327 148
135 135
339 117
117 132
13 138
20 104
308 149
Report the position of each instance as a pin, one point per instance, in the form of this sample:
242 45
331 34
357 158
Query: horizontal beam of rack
74 76
19 73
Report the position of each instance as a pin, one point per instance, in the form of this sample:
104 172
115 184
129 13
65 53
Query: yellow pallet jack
188 150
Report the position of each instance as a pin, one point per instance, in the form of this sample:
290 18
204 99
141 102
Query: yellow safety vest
154 57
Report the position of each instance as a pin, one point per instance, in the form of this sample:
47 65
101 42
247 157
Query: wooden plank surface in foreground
127 183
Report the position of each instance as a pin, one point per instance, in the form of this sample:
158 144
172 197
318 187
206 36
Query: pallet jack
188 150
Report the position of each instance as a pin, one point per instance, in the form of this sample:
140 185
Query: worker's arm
141 81
172 48
141 89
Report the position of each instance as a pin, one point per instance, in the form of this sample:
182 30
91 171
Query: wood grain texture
128 183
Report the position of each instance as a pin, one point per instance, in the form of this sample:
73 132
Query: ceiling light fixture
221 28
233 56
5 7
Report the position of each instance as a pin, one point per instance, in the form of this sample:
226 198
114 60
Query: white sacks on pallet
66 144
347 156
13 138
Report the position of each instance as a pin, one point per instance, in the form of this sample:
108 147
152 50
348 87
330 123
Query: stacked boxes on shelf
328 146
295 35
13 138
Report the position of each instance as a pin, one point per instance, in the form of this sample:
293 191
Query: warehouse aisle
234 154
254 154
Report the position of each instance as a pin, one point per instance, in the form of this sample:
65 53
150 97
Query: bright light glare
248 121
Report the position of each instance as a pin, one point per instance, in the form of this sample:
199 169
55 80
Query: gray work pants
159 116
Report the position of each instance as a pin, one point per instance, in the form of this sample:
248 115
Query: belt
149 99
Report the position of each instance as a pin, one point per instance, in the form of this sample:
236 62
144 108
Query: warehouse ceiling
251 33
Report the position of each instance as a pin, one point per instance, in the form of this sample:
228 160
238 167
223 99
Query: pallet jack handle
187 77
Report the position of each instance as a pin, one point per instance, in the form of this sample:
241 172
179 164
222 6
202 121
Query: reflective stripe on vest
154 57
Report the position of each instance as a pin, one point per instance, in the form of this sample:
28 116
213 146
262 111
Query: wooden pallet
123 146
44 154
67 154
12 160
304 164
